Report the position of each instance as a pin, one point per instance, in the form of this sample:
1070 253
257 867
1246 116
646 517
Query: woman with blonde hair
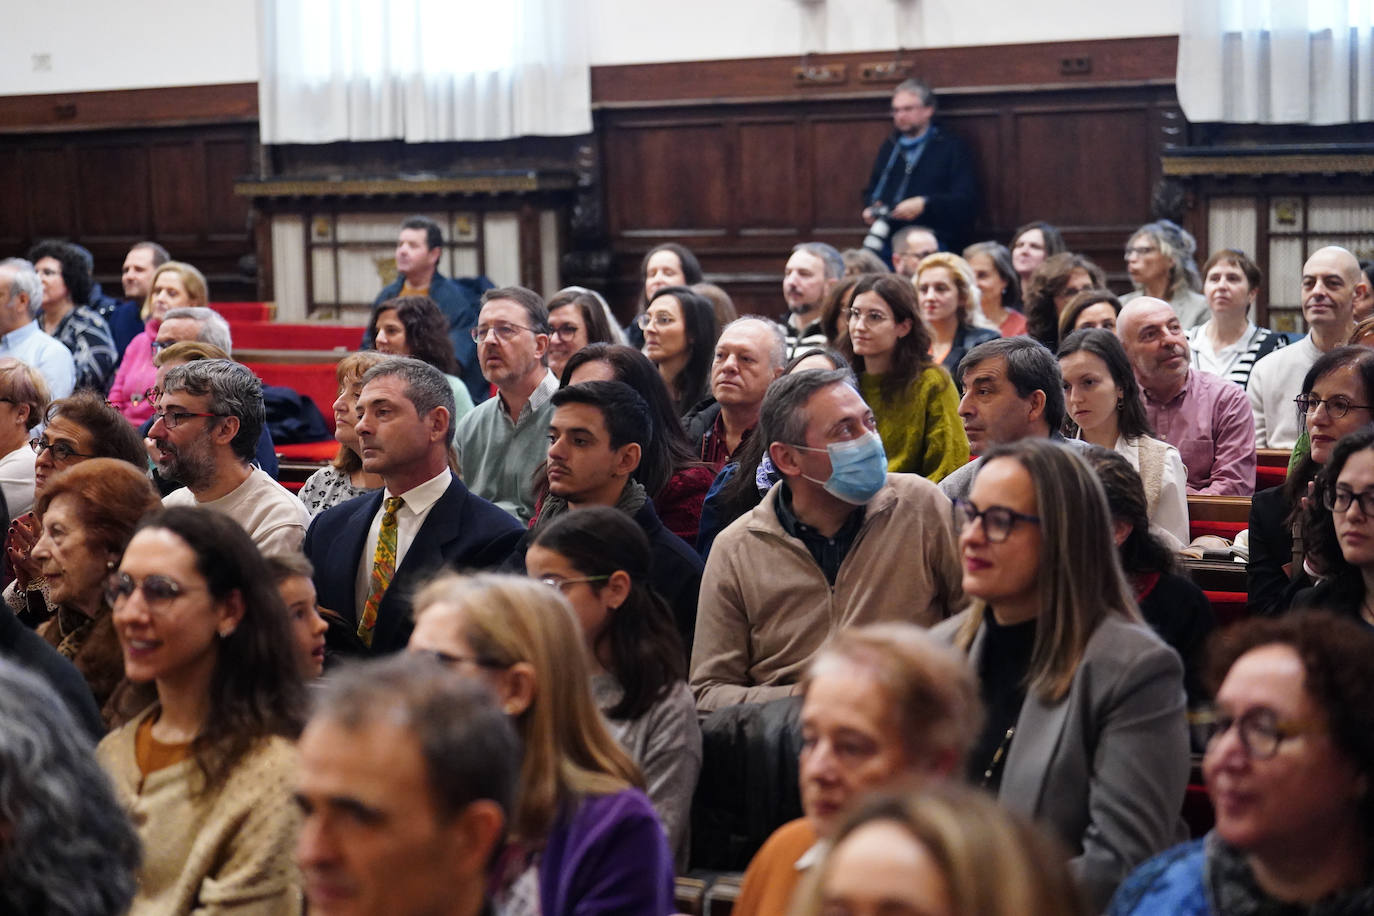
175 285
23 400
344 477
913 400
1086 729
947 292
583 835
943 850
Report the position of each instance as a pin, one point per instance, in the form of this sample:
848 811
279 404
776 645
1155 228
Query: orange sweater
772 876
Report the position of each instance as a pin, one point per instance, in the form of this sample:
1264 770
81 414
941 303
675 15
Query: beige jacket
765 606
228 851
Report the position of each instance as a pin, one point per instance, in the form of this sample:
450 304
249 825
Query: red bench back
272 335
316 381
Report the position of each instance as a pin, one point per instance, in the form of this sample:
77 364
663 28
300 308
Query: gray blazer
1106 767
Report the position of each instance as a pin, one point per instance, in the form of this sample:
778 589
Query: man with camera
921 174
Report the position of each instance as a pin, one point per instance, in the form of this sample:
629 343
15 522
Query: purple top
1211 425
609 857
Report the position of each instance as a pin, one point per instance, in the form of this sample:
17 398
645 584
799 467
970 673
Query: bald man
1202 415
1331 283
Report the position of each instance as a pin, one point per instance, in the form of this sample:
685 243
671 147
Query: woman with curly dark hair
1289 767
414 326
1338 530
1052 286
66 315
210 766
912 398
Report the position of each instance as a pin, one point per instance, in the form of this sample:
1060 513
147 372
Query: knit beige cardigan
222 852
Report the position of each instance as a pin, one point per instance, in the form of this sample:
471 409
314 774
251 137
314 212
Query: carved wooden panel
665 178
767 191
112 181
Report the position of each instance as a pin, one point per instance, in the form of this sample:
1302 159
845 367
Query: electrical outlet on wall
42 62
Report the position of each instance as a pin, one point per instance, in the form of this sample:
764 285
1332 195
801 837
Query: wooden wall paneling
843 146
124 108
111 181
981 130
14 224
227 159
767 193
50 192
1088 166
664 178
178 190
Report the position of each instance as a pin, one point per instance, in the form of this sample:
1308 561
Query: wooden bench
1271 467
1223 516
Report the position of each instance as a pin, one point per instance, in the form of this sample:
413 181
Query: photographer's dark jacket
943 175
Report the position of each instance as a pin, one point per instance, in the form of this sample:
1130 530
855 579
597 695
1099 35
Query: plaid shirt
87 335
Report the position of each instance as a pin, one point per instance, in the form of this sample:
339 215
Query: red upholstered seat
243 311
272 335
1199 527
316 381
316 452
1229 607
1266 477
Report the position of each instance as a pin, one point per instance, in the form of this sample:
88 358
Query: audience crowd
902 570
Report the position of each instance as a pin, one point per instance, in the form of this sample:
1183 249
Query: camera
879 230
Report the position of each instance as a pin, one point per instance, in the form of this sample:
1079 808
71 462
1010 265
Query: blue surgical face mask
858 468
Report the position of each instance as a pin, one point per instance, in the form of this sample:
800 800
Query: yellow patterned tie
383 568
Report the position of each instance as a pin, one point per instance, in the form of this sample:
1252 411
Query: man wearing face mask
821 551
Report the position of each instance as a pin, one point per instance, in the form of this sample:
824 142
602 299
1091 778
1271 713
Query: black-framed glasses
158 590
174 418
562 584
1340 500
998 521
1337 406
61 451
504 331
450 660
566 332
1260 729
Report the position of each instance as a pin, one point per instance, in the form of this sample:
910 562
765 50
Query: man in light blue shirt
21 295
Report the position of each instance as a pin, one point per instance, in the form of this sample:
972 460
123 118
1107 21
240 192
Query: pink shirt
136 374
1211 425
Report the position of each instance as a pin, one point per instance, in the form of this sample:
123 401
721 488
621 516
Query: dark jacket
26 648
698 422
944 176
462 531
1269 586
460 300
967 338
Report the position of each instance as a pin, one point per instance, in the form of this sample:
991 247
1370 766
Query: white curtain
1277 61
422 70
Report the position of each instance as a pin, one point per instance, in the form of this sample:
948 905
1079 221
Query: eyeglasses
998 521
1261 730
449 660
871 317
566 332
158 590
174 418
61 451
562 584
503 331
151 394
657 319
1140 251
163 344
1336 407
1340 500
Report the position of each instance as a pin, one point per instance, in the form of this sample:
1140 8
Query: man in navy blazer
405 422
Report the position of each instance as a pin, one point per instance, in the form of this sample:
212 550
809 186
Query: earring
1120 403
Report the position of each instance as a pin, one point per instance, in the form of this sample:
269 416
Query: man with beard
811 273
1202 415
504 439
209 416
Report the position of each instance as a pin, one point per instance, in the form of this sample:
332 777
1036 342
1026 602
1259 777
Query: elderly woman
1159 257
1052 287
1229 344
88 514
1086 729
207 770
1031 245
175 285
999 287
344 477
24 399
1334 404
1104 402
66 315
880 704
1289 764
77 429
947 293
942 850
584 838
913 400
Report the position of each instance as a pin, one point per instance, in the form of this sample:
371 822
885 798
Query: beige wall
98 44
